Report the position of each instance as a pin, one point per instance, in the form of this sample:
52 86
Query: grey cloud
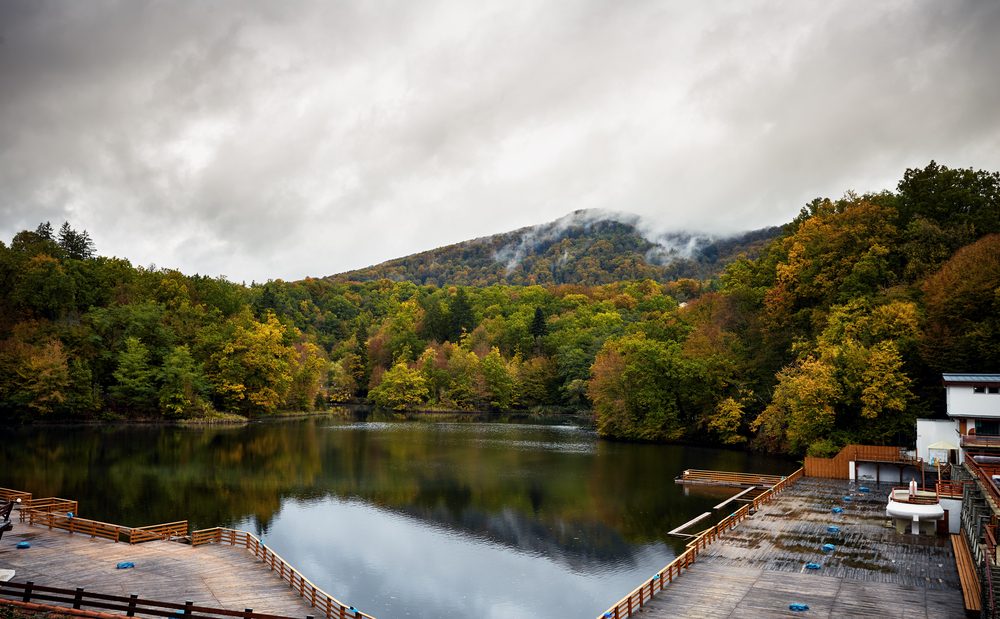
262 139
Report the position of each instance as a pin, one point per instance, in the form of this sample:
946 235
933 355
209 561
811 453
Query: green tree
401 387
255 366
642 389
183 385
499 383
135 386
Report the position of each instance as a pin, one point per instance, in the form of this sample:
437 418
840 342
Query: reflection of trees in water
584 506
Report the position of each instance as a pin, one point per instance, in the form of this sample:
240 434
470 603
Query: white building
974 403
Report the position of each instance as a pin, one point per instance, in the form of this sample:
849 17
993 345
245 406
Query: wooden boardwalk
758 568
214 575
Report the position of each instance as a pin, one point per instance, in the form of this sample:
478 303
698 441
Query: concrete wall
954 507
930 431
962 400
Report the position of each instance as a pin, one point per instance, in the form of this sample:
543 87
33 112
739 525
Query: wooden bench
967 574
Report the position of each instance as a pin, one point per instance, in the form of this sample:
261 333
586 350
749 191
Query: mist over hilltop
587 246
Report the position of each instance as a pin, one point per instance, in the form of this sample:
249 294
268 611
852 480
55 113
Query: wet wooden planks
758 569
218 576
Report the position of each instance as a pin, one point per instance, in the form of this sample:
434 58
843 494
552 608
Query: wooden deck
758 568
218 576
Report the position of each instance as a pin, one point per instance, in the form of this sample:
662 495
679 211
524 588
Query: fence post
131 605
247 612
78 598
187 607
27 591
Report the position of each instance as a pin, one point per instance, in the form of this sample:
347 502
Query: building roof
969 379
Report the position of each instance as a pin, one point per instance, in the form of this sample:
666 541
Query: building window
979 389
987 427
993 389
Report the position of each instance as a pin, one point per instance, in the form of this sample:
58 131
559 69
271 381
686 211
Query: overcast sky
265 140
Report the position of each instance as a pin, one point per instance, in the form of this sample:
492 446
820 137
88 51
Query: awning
941 445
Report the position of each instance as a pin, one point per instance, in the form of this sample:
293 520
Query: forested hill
585 247
837 332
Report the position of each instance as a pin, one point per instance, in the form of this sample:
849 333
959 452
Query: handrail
919 498
132 605
637 598
166 531
979 440
7 494
950 489
51 504
317 598
984 478
94 528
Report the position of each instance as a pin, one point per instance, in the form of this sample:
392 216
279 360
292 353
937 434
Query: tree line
836 332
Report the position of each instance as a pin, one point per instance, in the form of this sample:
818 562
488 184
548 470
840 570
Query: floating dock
698 477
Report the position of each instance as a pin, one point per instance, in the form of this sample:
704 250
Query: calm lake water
400 519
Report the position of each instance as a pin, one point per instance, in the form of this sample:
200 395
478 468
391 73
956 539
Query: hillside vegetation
585 247
836 332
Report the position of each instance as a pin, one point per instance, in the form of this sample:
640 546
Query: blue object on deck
124 565
69 514
798 607
837 510
847 498
608 615
24 545
828 547
812 566
864 489
833 529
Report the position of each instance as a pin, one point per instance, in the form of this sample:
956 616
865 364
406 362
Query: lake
399 518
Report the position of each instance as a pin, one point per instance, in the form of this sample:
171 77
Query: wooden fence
838 467
79 599
7 494
95 528
634 601
49 504
317 598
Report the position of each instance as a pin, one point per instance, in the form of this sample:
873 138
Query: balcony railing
980 440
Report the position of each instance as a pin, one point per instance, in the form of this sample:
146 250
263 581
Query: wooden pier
171 566
758 568
727 478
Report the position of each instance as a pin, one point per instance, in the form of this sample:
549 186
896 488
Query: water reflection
399 518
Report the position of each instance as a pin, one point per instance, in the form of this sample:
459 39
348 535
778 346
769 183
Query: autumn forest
834 330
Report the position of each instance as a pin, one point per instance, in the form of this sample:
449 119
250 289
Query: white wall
963 401
954 507
930 431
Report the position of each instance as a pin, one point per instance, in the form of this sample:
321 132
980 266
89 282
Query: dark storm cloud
262 139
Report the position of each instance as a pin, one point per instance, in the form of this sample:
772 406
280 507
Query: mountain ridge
589 247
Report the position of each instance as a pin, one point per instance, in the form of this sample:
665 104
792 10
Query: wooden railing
983 473
698 476
92 528
923 496
95 528
634 601
950 489
837 467
316 597
978 440
7 494
79 599
166 532
50 504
